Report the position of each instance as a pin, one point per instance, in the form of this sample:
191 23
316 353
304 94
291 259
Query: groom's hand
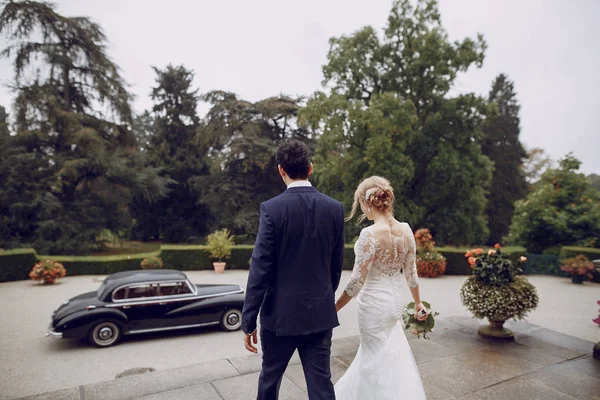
249 341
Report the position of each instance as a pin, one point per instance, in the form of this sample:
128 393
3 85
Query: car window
174 288
136 292
139 291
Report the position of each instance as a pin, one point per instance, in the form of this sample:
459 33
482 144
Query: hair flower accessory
370 193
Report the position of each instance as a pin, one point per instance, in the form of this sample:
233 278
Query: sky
262 48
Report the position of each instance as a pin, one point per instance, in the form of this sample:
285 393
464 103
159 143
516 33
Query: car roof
138 276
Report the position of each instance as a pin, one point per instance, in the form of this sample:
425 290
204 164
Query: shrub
47 271
430 263
219 244
513 300
153 262
578 265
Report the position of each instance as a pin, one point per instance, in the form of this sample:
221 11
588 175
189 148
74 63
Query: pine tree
85 171
501 144
174 148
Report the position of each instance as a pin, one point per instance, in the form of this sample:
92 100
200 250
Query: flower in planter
496 292
47 271
579 266
153 262
430 263
597 320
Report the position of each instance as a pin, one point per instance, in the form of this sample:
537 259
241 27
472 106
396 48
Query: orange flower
523 258
490 252
497 245
469 254
478 252
472 261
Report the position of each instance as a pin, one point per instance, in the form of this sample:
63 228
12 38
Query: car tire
231 320
105 333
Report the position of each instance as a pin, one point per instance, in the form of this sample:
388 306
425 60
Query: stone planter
496 331
219 267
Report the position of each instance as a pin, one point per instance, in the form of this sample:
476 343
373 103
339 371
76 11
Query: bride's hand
418 308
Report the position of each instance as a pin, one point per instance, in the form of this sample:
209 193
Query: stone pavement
455 364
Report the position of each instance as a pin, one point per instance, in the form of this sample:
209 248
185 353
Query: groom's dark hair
294 158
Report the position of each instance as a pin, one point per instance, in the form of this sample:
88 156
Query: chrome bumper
53 333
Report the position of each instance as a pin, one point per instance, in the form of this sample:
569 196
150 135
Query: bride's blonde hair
375 192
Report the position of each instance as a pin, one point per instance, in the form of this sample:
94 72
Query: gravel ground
31 363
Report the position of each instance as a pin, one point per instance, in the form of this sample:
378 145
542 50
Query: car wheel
105 334
231 320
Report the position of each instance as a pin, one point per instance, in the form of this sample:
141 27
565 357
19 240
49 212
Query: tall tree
86 175
243 137
363 141
173 146
562 209
417 63
503 147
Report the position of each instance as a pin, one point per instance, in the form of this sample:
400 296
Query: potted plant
496 291
430 263
47 271
219 245
153 262
579 267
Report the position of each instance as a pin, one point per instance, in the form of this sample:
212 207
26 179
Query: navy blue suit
295 271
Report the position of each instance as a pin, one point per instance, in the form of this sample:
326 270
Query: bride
384 366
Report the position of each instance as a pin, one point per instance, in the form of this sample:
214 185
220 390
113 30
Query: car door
142 305
179 303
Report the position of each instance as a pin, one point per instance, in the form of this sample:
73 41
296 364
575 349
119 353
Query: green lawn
129 247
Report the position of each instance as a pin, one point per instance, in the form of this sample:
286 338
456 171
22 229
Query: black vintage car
143 301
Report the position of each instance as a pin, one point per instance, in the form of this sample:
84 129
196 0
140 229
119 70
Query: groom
295 270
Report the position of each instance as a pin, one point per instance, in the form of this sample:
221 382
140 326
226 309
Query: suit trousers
314 351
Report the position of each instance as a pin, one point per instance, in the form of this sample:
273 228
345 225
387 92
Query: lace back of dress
389 258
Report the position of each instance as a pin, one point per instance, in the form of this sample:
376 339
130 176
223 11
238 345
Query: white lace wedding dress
384 366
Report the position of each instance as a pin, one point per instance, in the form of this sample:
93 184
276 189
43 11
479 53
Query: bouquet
416 327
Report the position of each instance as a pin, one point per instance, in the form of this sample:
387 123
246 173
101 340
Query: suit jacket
296 264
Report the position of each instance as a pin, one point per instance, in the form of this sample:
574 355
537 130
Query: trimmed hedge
101 265
195 257
15 265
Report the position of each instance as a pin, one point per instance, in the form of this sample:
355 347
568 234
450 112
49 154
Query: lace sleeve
364 251
410 265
